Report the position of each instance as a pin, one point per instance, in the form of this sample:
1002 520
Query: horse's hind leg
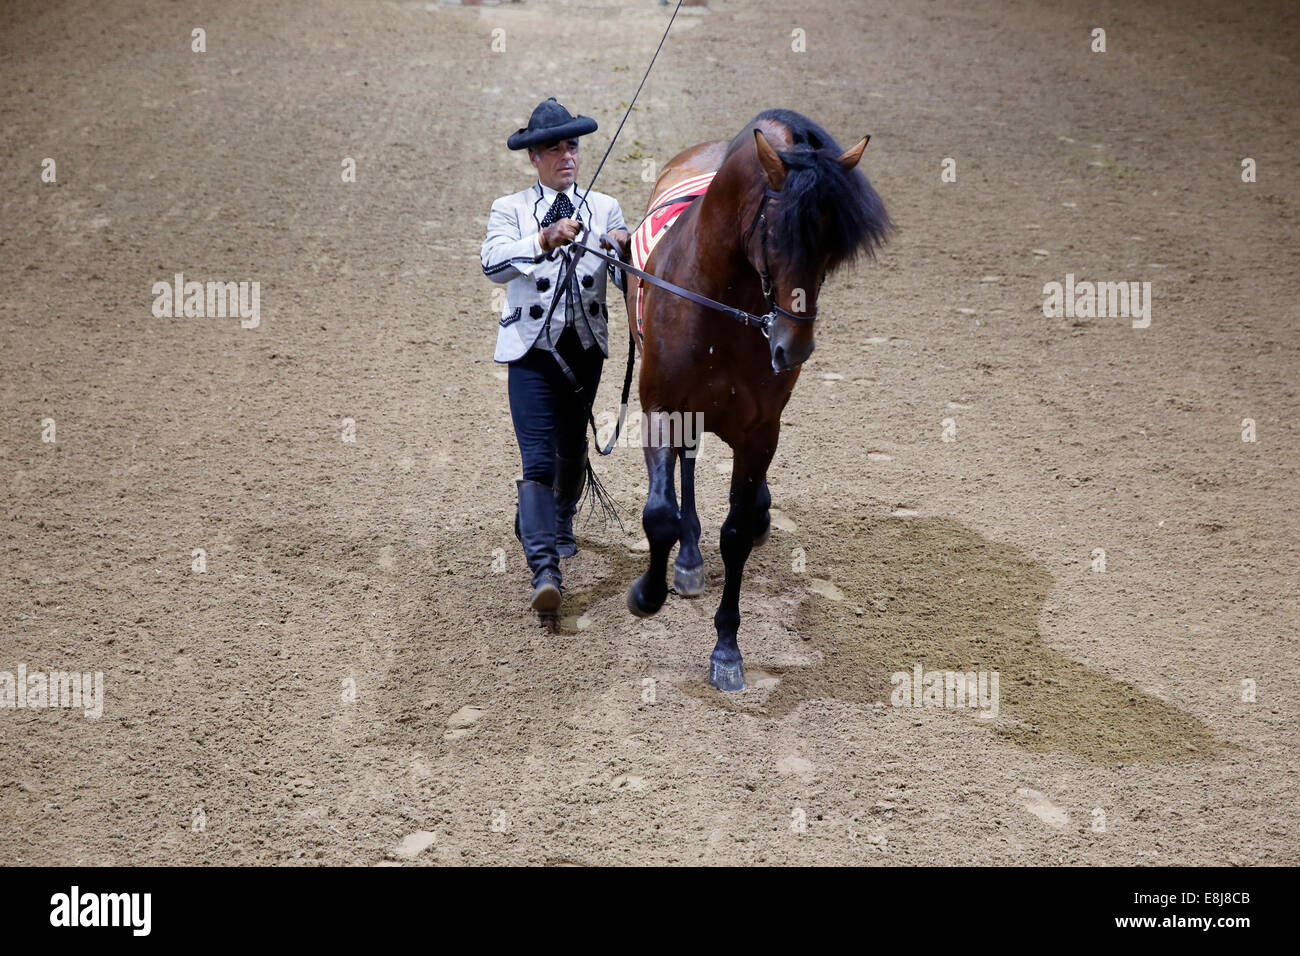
662 524
737 539
688 569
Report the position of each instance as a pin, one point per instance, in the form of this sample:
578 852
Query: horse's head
816 213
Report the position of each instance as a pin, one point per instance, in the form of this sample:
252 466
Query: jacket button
594 309
588 281
535 312
543 285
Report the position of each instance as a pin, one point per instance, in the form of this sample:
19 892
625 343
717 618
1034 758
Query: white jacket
512 254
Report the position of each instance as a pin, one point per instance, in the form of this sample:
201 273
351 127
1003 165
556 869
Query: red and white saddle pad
654 226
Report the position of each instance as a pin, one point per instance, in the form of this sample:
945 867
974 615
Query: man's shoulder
528 195
603 199
603 205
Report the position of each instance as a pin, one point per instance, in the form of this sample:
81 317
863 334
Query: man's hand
622 237
559 233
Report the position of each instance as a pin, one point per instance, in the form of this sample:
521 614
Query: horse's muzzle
786 356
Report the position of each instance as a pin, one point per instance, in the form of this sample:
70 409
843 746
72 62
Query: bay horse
785 208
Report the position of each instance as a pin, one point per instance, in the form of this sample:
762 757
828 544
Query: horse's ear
772 164
849 158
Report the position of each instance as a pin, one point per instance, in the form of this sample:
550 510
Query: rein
761 322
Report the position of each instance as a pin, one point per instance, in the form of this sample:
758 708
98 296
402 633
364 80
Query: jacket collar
546 195
549 194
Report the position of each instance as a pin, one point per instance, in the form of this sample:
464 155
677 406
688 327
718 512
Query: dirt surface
231 732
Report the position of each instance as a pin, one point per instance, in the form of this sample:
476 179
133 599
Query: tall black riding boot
537 530
570 477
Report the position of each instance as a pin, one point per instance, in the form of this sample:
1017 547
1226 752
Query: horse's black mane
823 207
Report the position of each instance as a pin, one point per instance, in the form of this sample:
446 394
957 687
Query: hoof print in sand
459 723
1038 804
413 844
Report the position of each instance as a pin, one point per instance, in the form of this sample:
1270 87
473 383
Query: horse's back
689 163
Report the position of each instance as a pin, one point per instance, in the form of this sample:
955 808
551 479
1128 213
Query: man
553 369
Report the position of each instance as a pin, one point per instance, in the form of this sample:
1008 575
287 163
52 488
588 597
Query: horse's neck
717 225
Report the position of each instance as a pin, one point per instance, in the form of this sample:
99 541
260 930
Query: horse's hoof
635 605
688 582
726 675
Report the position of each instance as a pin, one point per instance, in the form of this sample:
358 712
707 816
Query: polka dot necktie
560 209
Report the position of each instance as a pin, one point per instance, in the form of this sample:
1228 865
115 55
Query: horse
786 207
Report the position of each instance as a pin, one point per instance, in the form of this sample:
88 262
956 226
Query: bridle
765 272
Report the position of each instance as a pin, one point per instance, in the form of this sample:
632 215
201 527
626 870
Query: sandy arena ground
229 731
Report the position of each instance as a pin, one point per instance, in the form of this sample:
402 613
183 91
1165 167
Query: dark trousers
549 417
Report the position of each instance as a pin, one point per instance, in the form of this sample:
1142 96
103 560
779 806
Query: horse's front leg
688 569
737 540
660 519
763 515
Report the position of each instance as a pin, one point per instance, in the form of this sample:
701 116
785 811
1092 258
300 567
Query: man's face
556 163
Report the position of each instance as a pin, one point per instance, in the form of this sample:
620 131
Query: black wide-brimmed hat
549 122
